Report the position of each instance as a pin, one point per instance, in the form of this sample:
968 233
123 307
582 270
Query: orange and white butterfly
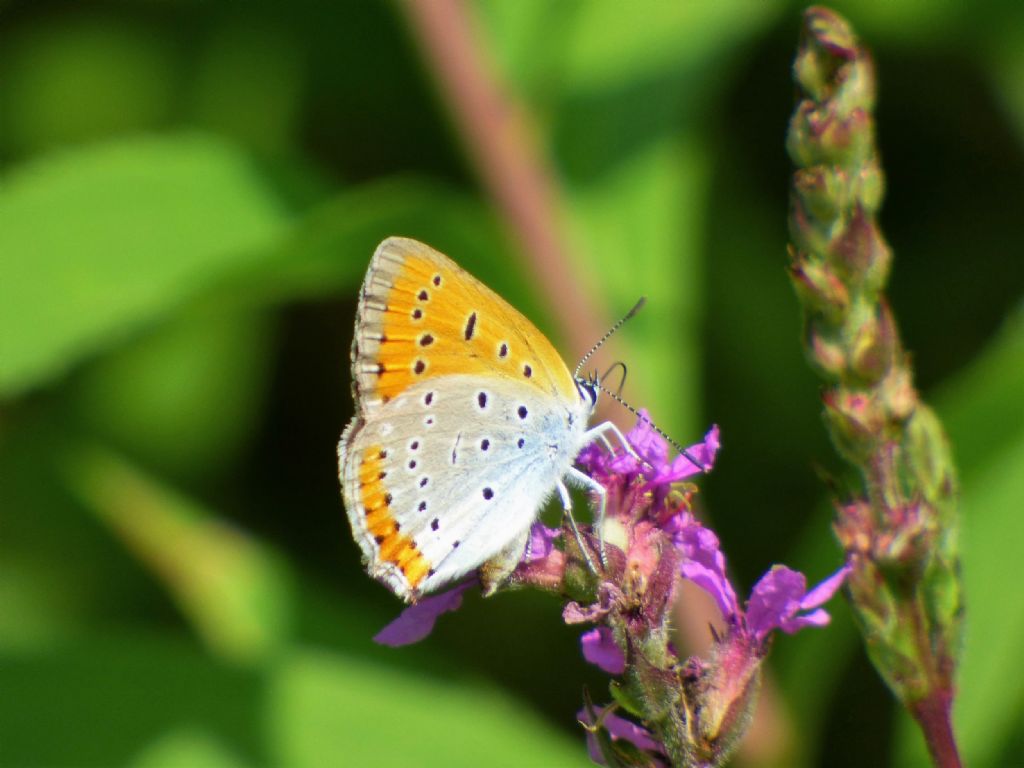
466 421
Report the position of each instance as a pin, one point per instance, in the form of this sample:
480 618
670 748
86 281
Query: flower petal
775 597
817 618
638 736
703 452
541 542
600 648
618 728
703 562
822 593
417 621
646 441
780 596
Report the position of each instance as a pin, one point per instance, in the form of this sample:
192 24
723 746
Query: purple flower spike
780 600
618 728
599 648
417 621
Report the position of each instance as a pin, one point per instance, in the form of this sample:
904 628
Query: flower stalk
690 713
900 531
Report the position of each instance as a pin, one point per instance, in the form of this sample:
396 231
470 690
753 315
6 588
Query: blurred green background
190 194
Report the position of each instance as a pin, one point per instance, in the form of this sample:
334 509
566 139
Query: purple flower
646 441
780 600
417 621
618 728
652 449
600 648
702 561
684 466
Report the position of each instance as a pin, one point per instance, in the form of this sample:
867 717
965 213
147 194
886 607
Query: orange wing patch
394 547
421 316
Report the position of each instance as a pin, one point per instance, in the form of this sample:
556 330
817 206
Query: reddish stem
933 716
511 166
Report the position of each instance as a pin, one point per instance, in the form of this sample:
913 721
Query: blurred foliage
188 200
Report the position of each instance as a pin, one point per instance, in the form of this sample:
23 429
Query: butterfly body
467 421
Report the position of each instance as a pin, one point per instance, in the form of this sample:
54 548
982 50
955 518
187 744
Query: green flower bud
874 344
820 289
854 421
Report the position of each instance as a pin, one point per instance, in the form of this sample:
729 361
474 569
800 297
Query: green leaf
185 397
80 77
1006 56
991 696
105 701
603 45
613 42
57 567
187 746
361 713
97 242
982 407
250 85
235 592
330 247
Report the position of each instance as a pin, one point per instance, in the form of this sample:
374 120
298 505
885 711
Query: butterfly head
589 387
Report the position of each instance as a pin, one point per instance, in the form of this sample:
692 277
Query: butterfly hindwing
467 464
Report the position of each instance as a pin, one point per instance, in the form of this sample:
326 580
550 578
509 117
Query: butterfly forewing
422 316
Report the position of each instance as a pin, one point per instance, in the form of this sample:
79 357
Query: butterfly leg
599 433
567 508
586 481
606 443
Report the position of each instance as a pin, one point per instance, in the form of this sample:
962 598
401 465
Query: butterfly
467 421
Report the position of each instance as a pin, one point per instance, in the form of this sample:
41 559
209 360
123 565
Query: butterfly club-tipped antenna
608 335
595 381
593 384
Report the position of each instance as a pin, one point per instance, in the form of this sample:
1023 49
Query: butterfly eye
587 390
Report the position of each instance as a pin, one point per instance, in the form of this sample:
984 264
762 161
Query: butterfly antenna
603 339
696 462
612 367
